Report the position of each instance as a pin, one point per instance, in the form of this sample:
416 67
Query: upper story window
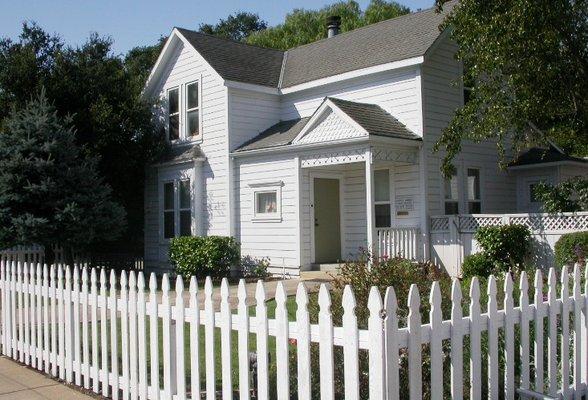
474 198
451 195
173 101
192 110
382 198
184 111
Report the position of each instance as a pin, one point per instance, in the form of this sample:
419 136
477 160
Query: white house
308 155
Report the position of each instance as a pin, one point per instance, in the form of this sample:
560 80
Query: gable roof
396 39
540 155
237 61
375 120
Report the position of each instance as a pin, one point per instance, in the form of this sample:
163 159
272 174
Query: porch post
369 202
197 184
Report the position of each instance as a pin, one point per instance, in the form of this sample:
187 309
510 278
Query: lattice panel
471 223
332 158
552 222
439 224
397 155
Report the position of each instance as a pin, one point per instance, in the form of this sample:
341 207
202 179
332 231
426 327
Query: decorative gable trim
324 108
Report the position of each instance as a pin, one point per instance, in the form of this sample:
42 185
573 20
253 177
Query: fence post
454 243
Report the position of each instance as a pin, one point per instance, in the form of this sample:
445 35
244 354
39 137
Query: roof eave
548 164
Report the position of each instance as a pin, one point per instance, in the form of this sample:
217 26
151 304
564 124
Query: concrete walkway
18 382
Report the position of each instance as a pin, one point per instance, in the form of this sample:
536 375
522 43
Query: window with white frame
177 208
173 103
267 201
451 195
192 110
382 204
473 190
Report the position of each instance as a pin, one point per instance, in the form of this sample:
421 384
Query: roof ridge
365 27
229 40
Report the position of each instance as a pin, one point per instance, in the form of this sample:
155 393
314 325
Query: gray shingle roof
392 40
280 134
374 119
178 154
238 61
540 155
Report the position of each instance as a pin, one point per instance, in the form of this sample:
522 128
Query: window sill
267 219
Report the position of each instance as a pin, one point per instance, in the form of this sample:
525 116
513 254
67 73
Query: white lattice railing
401 241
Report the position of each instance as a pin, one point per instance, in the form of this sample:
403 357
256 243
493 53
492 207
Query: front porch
361 198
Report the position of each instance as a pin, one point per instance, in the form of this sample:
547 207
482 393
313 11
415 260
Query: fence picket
585 330
209 340
565 332
524 329
105 378
538 324
54 318
4 304
153 337
493 377
69 328
39 318
61 322
85 330
20 287
303 342
436 348
33 316
194 339
226 327
262 347
509 353
133 370
76 359
141 338
243 341
179 350
475 338
115 380
326 345
124 335
13 306
391 344
577 332
282 334
414 343
25 339
552 332
94 329
377 367
166 338
351 346
456 342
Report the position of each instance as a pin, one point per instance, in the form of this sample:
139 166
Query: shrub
252 267
202 256
505 246
477 265
571 248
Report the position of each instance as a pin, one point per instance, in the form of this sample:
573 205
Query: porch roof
371 117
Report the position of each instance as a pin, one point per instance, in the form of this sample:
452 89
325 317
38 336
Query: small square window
266 202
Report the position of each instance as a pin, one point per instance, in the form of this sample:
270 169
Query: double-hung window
451 195
173 101
177 208
382 204
473 190
192 110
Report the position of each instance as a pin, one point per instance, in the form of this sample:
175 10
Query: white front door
327 220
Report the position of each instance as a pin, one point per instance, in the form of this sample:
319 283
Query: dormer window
173 101
192 110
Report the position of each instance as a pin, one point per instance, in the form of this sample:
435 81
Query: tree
101 94
236 26
527 64
306 26
567 196
51 193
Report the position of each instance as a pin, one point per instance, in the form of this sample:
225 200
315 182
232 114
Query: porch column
198 184
369 202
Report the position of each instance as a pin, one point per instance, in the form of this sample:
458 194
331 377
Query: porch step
330 267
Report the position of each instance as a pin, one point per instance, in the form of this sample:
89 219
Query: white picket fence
70 325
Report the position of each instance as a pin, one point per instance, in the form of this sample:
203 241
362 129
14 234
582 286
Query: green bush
571 248
505 246
202 256
476 265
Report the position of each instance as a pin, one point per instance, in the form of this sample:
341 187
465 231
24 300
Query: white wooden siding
442 95
395 91
185 66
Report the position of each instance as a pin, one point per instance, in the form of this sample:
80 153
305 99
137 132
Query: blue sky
134 23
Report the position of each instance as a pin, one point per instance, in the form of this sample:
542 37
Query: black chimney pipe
333 25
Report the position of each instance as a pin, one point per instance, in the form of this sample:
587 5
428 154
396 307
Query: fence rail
70 324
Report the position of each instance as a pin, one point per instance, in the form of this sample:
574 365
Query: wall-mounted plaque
404 203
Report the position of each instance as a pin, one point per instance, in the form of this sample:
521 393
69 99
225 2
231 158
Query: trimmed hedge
477 264
203 256
571 248
505 246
